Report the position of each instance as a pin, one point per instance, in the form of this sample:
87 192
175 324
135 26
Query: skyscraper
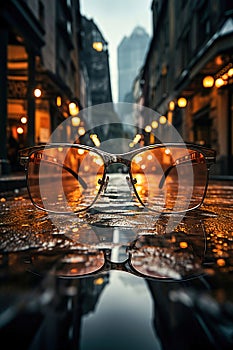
131 53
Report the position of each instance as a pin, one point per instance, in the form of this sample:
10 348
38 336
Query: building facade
191 57
40 75
131 54
95 62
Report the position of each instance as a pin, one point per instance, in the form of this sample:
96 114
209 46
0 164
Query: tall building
95 61
131 55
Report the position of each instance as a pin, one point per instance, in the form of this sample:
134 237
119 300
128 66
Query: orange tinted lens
64 179
169 178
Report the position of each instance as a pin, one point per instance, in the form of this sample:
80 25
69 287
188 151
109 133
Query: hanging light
208 81
219 82
154 124
37 92
182 102
75 121
230 72
58 101
81 131
98 46
171 105
20 130
148 128
23 120
73 108
162 119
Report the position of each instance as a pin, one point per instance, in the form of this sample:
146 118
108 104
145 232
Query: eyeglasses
165 178
172 256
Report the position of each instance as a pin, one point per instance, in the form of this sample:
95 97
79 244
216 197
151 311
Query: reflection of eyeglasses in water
174 256
166 178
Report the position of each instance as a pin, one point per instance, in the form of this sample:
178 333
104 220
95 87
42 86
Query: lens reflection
169 179
64 179
172 256
80 263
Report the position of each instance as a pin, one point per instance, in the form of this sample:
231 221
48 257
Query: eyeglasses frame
122 158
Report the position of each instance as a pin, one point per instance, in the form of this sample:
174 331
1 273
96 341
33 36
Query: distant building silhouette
131 54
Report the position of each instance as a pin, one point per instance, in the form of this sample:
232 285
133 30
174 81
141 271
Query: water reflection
40 310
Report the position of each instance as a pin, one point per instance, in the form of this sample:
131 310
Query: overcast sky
116 19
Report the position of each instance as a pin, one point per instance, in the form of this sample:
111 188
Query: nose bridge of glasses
114 159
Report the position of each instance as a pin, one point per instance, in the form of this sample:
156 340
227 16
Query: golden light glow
81 151
58 101
208 81
154 124
20 130
230 72
167 151
219 82
23 120
183 245
137 138
162 119
37 92
182 102
225 76
81 131
73 108
148 128
221 262
171 105
99 281
98 46
95 139
75 121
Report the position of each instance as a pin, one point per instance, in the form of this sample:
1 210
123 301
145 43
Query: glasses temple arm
71 171
167 171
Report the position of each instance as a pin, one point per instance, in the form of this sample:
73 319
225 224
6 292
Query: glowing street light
73 108
172 105
208 81
182 102
20 130
219 82
75 121
148 128
162 119
23 120
98 46
37 92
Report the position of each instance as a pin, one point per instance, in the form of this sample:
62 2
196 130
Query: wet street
157 283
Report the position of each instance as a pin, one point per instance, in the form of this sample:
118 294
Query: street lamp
75 121
73 108
208 81
182 102
37 92
98 46
162 119
172 105
219 82
23 120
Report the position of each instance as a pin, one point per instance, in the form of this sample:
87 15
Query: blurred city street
45 307
116 112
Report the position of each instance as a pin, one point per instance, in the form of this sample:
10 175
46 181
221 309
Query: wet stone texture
198 244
